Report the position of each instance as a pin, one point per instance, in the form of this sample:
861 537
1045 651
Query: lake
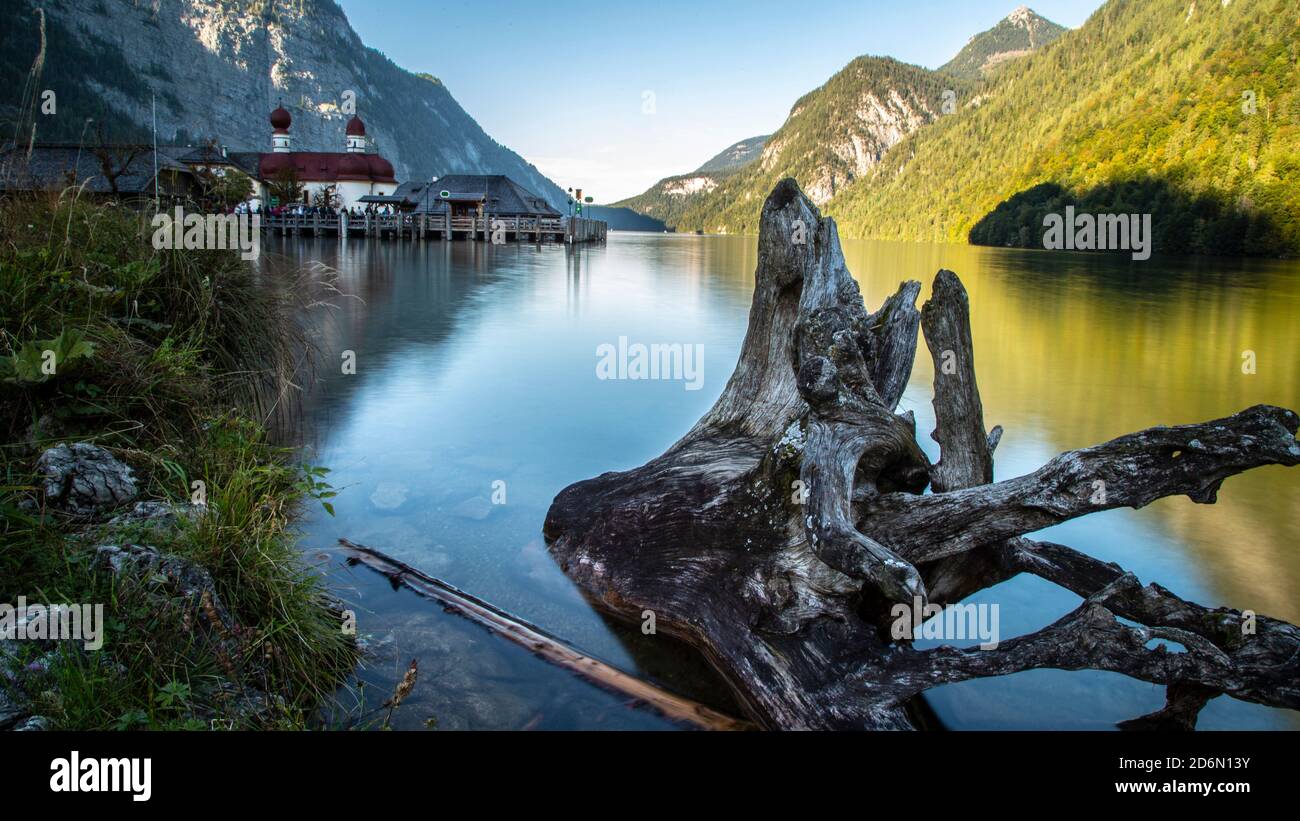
476 376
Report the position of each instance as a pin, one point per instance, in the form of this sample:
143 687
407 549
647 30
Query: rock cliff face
218 67
834 135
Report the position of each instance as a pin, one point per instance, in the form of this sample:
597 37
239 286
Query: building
472 195
357 177
352 174
123 171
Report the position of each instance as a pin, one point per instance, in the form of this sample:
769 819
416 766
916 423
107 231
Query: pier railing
443 225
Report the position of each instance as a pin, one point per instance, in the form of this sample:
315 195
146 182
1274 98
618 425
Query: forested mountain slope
1190 112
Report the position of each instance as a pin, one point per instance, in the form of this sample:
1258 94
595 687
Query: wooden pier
439 226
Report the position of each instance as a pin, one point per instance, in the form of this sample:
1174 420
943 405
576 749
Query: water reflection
476 364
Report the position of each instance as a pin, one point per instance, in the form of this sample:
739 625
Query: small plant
131 719
41 359
173 695
404 688
313 485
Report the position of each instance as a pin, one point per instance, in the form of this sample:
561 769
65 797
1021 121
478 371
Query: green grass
173 360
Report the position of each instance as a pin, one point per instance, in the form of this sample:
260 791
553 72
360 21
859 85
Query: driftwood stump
776 535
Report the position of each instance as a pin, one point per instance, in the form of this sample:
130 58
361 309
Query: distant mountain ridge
735 156
666 200
838 133
1020 33
218 67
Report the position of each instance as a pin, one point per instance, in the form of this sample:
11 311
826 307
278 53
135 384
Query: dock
439 227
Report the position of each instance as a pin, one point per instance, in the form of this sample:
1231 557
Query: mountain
1188 112
668 199
218 68
1018 34
735 156
832 136
851 122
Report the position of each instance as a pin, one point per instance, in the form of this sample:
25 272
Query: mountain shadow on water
624 219
1181 222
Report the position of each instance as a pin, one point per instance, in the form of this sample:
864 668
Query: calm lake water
475 365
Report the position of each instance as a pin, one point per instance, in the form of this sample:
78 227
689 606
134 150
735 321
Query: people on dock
298 209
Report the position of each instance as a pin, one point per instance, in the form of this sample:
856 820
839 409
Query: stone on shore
11 712
159 514
85 479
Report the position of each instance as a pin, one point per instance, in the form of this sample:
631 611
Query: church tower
280 121
356 135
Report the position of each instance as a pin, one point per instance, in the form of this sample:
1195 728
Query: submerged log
541 643
776 535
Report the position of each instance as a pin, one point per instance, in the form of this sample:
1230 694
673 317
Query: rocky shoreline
96 494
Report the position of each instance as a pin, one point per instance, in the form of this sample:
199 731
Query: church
354 172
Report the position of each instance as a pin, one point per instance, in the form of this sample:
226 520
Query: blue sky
565 86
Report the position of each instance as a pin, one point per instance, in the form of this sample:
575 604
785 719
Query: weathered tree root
777 532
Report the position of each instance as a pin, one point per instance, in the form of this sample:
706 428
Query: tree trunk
778 534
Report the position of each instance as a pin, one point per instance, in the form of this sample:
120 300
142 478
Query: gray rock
389 495
236 706
11 712
477 508
8 653
85 479
167 575
377 648
181 576
160 514
35 724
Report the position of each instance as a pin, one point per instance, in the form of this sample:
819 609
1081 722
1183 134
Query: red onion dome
280 119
